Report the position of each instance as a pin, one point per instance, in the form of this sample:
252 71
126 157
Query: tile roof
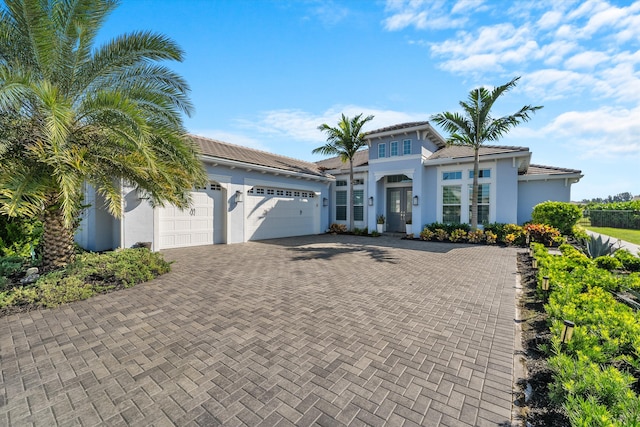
398 127
361 158
224 150
459 151
549 170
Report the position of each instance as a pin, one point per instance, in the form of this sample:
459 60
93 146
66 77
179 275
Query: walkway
322 330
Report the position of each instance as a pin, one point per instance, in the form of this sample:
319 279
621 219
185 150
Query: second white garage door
190 227
271 216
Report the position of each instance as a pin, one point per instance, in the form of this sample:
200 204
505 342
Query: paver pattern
320 330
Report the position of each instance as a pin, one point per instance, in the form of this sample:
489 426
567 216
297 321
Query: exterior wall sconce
325 201
239 197
371 201
415 200
545 283
567 331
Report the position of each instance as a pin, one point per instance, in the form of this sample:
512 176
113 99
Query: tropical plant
73 114
476 126
380 219
344 141
595 247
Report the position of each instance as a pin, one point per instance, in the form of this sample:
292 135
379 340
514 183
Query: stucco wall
530 193
429 208
506 191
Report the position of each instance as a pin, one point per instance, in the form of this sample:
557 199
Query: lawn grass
631 236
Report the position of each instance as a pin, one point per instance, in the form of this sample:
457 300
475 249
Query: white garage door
271 216
190 227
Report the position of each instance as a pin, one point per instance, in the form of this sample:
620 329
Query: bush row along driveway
319 330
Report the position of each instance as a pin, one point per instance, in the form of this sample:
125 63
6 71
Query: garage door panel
189 227
273 217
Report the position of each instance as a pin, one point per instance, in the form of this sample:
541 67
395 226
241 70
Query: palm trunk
57 240
351 205
474 192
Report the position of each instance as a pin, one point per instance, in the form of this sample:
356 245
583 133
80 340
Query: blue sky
266 74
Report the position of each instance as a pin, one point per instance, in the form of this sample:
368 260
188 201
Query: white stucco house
406 172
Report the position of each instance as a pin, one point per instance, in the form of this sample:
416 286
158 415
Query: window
394 148
446 176
341 205
482 173
406 146
358 205
215 186
483 203
398 178
279 192
270 191
341 183
382 150
451 199
288 193
305 194
259 190
296 194
359 181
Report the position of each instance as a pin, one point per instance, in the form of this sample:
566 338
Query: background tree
475 126
344 140
73 113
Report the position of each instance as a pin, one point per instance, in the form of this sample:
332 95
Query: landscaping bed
89 274
592 378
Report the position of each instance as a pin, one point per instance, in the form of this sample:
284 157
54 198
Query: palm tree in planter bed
344 141
475 126
75 114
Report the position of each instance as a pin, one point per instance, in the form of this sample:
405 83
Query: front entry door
398 208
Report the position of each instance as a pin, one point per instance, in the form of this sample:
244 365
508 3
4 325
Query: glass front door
398 208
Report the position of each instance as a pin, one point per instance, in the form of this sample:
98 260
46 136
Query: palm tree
344 141
476 126
73 114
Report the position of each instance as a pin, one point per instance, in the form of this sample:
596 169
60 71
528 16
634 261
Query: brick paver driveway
322 330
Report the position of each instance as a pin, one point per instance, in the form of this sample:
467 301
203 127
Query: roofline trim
404 131
551 176
469 159
264 169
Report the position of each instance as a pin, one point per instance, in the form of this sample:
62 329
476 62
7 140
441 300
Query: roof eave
573 176
264 169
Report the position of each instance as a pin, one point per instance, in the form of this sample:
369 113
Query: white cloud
604 132
586 60
550 20
303 126
428 14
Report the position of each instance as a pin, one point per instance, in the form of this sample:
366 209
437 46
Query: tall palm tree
475 126
73 113
344 140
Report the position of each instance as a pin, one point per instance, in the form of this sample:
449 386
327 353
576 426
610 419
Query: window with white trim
451 201
482 173
358 205
341 205
382 150
358 181
406 147
393 149
341 183
483 202
447 176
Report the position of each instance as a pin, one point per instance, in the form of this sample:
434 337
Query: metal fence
614 219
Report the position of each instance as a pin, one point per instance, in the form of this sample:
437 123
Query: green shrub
56 289
19 236
629 262
426 234
448 228
514 235
441 234
476 236
608 263
560 215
